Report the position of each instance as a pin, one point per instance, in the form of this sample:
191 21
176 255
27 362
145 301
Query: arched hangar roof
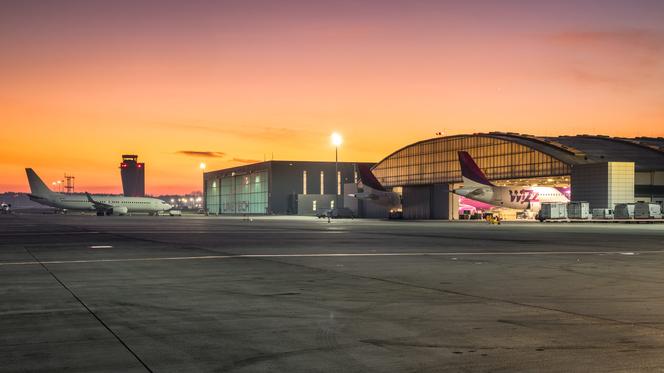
504 155
646 155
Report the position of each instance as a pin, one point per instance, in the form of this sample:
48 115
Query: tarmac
278 294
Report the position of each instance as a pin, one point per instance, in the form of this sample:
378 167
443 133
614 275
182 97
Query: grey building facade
277 187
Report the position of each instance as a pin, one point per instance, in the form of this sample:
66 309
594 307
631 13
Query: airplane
103 205
477 187
373 191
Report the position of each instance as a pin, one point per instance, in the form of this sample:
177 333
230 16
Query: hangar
602 170
278 187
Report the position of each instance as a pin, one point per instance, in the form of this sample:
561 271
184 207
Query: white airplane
373 191
477 187
103 205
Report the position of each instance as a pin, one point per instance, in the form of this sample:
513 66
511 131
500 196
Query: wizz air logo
523 196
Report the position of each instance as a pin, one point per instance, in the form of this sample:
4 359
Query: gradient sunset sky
230 82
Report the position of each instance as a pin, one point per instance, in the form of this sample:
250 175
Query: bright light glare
202 166
336 139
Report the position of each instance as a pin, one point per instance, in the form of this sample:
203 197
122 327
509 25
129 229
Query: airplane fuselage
388 199
520 198
81 203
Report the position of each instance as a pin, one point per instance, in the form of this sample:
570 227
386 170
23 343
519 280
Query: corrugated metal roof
646 152
612 149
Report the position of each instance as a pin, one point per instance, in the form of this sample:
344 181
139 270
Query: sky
234 82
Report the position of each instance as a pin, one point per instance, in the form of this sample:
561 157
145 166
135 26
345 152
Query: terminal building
133 176
278 187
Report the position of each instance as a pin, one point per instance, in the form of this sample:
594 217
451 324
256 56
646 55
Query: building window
355 177
322 182
338 182
304 182
313 207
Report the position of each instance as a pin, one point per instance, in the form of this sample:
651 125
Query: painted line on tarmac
44 233
331 255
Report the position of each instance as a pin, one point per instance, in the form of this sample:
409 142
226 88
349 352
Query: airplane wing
97 205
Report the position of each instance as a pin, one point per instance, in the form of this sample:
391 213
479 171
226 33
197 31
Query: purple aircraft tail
368 177
470 170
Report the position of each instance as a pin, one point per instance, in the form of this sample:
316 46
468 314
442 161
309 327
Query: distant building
278 187
133 176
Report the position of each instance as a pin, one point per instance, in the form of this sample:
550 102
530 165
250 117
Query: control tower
133 176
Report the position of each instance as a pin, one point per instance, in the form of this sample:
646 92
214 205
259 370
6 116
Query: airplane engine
120 210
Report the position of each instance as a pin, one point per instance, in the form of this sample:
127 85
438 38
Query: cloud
627 38
241 160
621 58
201 154
213 154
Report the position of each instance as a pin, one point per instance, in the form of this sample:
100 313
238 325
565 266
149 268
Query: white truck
578 210
647 210
553 211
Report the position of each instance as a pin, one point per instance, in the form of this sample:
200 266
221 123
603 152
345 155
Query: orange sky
82 84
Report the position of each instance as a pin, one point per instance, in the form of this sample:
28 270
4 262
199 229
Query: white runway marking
13 234
101 247
327 255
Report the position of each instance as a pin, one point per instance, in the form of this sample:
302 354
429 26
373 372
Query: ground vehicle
553 211
174 212
624 211
647 210
602 214
578 210
5 208
337 213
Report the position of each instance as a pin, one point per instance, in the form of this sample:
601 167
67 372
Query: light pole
336 141
203 166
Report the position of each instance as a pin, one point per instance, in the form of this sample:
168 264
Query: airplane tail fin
470 172
37 186
367 177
